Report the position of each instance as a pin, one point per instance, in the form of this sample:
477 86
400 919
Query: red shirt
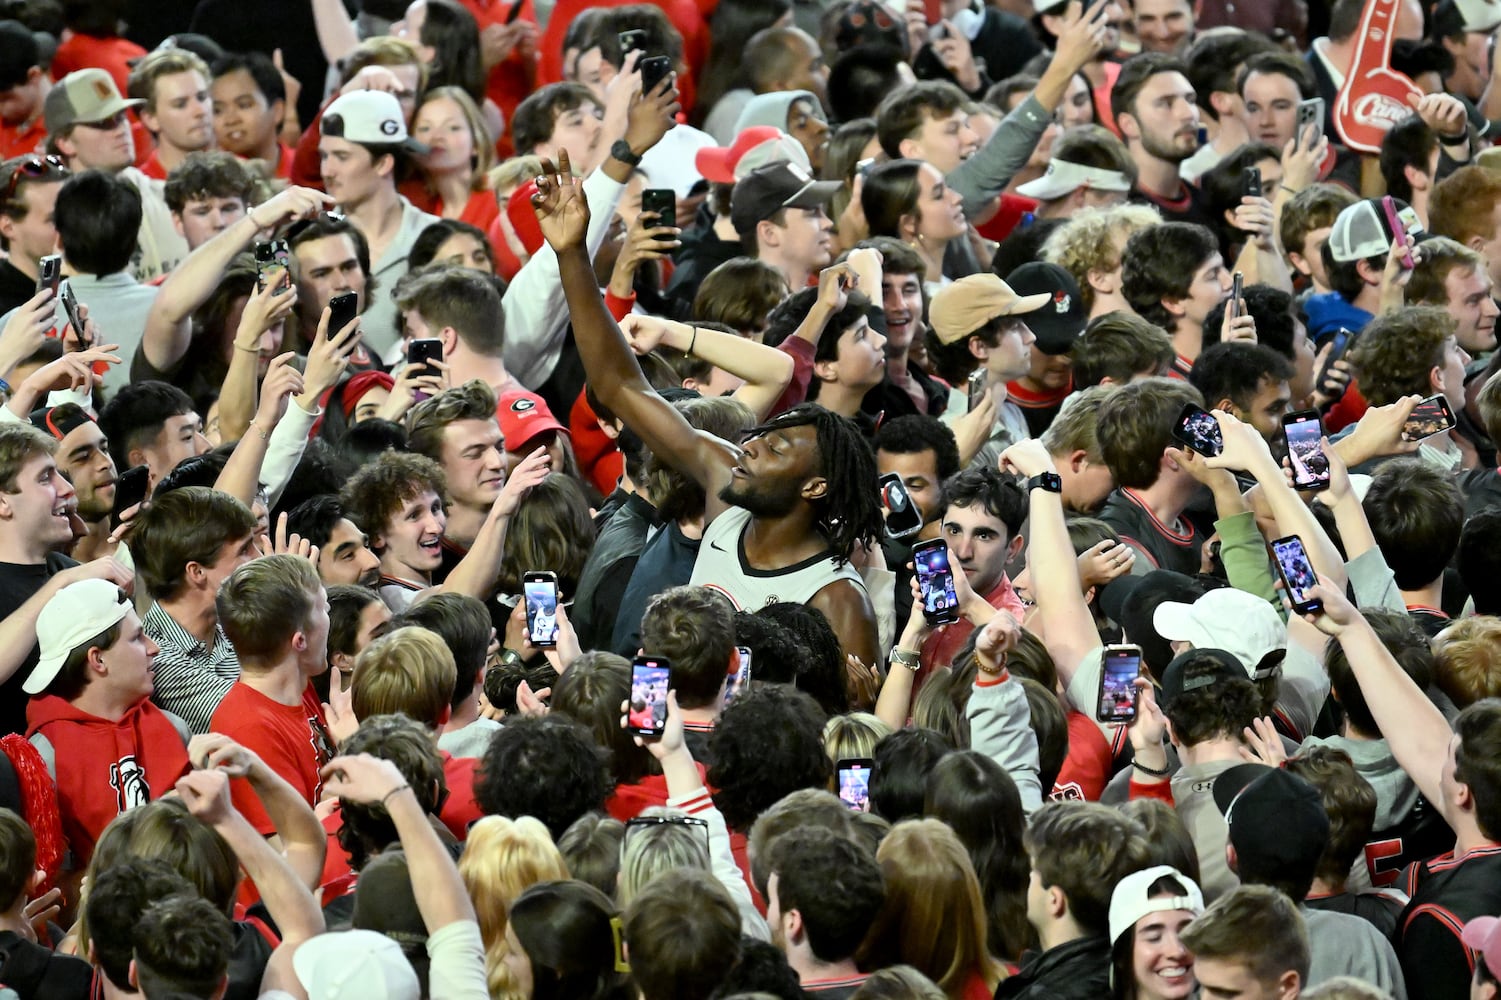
152 167
112 55
23 139
945 641
1087 766
293 740
106 768
685 15
459 809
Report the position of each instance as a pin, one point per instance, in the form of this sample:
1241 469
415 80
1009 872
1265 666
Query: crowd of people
533 499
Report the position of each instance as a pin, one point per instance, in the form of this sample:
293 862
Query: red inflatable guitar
1374 97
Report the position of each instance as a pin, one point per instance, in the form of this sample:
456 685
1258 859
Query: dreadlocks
849 511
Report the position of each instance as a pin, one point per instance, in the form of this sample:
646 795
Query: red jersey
293 740
23 139
105 768
459 809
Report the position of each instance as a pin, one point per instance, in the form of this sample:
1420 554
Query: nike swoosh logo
716 547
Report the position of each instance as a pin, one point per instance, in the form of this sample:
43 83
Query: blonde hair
853 735
484 142
410 671
934 916
502 859
649 852
1086 242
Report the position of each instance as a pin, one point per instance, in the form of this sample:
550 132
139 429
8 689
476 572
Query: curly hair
1397 351
823 678
546 767
377 492
1090 241
1221 709
753 770
913 433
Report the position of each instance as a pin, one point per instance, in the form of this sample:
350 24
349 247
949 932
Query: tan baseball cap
961 308
85 95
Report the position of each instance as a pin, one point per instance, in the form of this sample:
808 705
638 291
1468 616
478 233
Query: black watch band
622 151
1050 481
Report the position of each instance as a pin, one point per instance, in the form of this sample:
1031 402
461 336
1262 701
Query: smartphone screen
740 678
130 489
1197 428
1431 416
272 265
1297 573
854 783
1305 451
540 591
647 713
935 582
1119 668
903 519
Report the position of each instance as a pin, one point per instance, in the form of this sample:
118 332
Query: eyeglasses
109 124
693 823
32 167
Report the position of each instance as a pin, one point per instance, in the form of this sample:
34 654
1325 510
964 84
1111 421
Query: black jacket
1078 970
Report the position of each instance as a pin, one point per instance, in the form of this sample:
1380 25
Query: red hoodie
105 768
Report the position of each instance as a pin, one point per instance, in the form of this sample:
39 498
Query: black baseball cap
1059 323
1209 667
765 192
1276 819
20 49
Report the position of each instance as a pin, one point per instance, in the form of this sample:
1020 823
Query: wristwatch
622 151
1050 481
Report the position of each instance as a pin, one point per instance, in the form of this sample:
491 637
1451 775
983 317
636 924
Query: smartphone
539 589
1119 667
632 40
647 712
741 678
662 201
1237 290
935 582
862 169
1343 339
1303 430
903 519
51 272
1197 428
514 12
1297 574
1398 228
343 309
271 265
75 320
1431 416
420 352
1310 112
130 489
654 70
1203 135
1250 181
854 783
977 385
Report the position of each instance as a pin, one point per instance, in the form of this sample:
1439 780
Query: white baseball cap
1233 620
76 614
355 965
1131 901
371 118
1063 177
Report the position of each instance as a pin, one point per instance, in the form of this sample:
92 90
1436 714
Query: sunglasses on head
31 168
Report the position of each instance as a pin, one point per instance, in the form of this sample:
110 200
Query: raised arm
168 326
264 309
1414 728
476 572
609 363
1068 626
766 370
291 905
241 477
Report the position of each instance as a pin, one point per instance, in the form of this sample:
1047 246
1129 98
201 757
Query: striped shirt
191 678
